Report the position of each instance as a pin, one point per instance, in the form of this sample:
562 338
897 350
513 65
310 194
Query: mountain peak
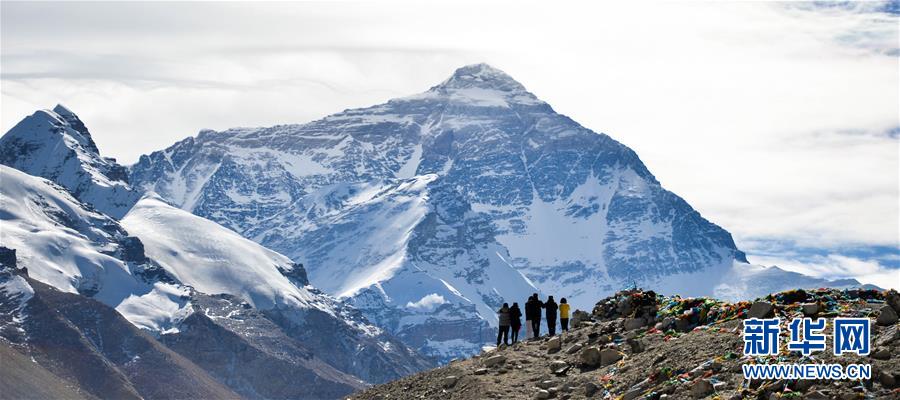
75 123
55 144
481 76
64 111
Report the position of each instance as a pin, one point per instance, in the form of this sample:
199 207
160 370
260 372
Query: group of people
510 318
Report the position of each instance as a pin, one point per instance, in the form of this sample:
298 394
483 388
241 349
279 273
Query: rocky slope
91 347
427 211
23 379
636 345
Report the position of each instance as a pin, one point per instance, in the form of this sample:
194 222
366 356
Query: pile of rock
636 308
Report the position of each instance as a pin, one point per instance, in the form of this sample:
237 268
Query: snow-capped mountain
178 277
208 281
58 146
429 211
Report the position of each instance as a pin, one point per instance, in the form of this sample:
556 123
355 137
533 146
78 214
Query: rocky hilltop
639 345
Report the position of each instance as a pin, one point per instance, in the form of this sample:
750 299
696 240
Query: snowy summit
429 211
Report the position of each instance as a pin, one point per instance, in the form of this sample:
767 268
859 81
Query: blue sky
777 121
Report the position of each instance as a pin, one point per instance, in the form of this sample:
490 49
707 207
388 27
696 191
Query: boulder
634 323
892 298
558 366
701 388
761 309
886 316
810 309
625 306
590 356
610 356
481 371
887 337
816 395
494 360
590 389
632 394
449 381
574 348
881 354
545 384
554 344
542 394
637 345
887 379
721 385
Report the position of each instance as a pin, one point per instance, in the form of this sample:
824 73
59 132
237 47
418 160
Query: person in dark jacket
529 315
515 321
536 306
551 307
503 332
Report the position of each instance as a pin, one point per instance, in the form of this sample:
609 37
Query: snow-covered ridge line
213 259
79 250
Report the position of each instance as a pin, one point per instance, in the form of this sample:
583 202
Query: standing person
515 321
564 314
551 307
503 332
536 306
529 316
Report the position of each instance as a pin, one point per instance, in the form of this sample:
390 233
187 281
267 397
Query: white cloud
427 303
768 118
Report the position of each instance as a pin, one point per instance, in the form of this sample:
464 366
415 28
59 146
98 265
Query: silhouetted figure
536 306
564 314
529 316
551 307
515 321
503 332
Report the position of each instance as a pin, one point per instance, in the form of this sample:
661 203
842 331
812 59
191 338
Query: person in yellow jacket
564 314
